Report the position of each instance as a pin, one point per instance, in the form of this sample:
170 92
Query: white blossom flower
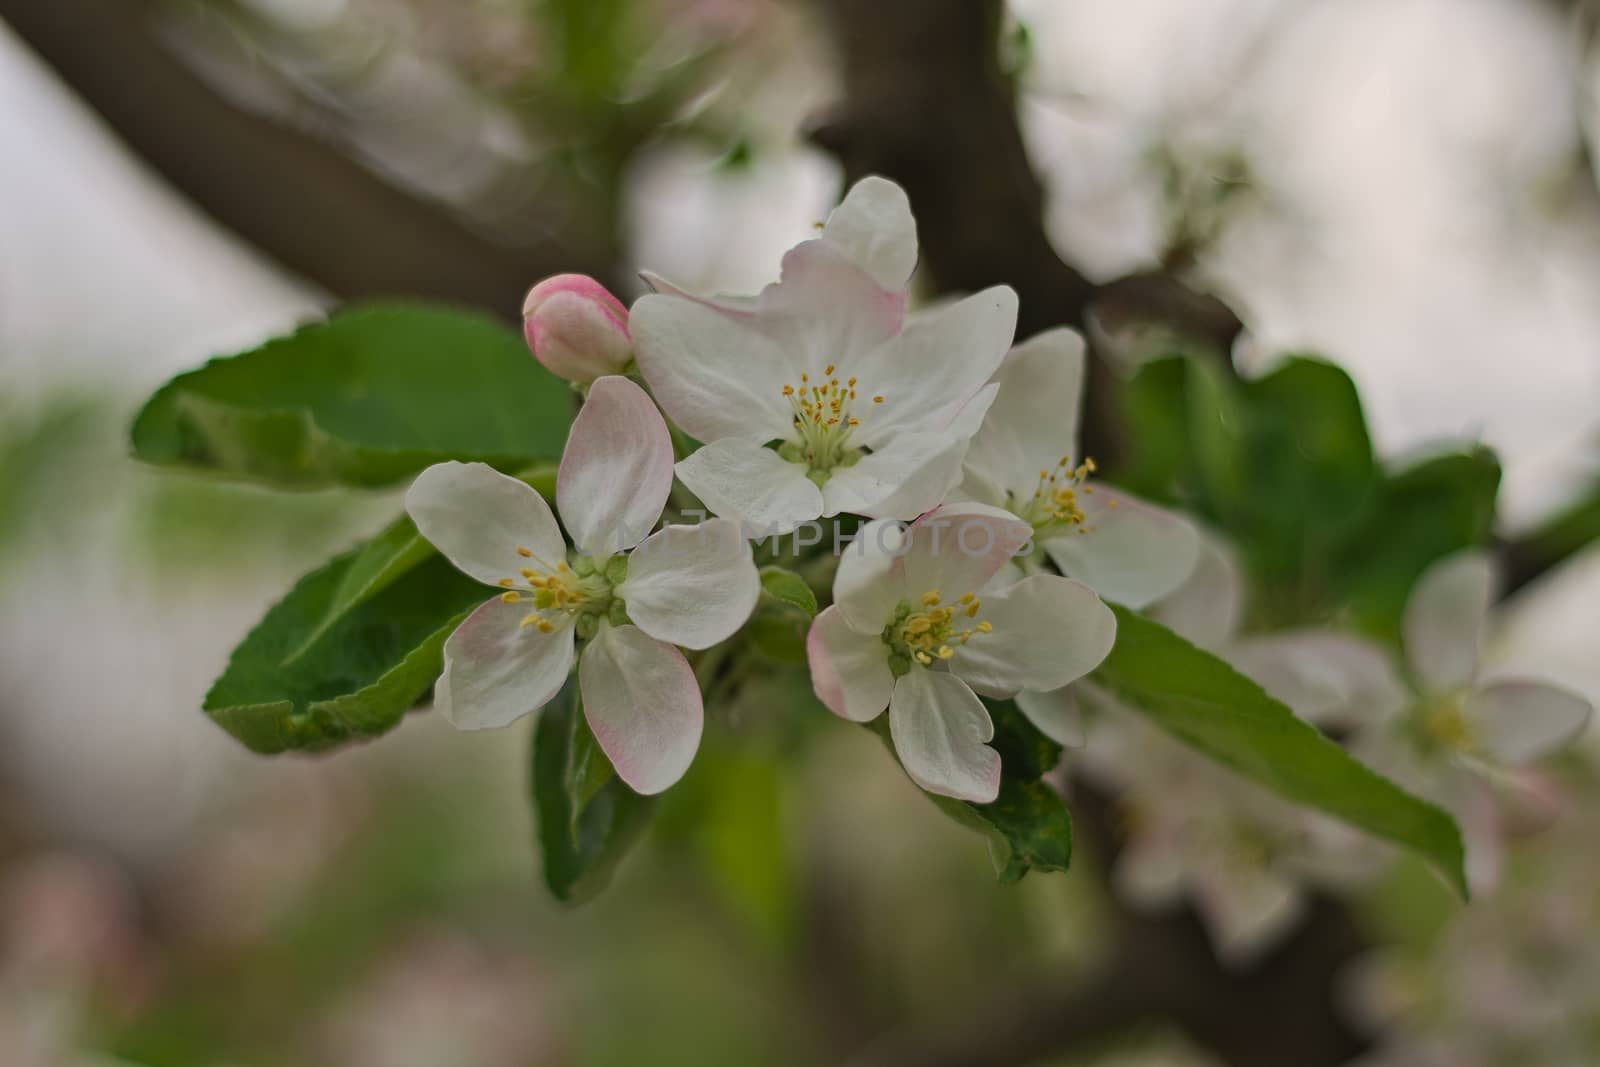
629 597
1242 855
1460 738
909 631
1025 458
870 410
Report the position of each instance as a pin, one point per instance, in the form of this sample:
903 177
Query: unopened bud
576 328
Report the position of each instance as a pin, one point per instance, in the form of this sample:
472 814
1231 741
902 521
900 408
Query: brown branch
295 197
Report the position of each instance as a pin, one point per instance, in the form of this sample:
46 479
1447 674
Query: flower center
1441 725
579 591
932 629
823 424
1056 506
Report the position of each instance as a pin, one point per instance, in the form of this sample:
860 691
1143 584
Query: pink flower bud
576 328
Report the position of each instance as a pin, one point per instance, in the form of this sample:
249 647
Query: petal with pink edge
957 548
692 586
616 471
479 519
496 670
643 704
849 669
940 730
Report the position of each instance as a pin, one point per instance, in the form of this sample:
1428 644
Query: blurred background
1405 186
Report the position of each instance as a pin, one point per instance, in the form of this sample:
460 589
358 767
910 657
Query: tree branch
295 197
926 103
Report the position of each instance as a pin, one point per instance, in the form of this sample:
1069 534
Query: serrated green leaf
302 682
584 822
788 587
368 398
1205 703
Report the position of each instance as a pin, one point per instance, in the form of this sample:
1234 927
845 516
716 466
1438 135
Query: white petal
712 371
957 549
827 311
940 729
866 586
1248 912
643 704
1056 714
1131 552
752 485
908 477
1048 632
1206 609
1518 722
1325 677
936 364
849 669
616 471
478 518
1445 619
1034 420
692 586
875 228
496 670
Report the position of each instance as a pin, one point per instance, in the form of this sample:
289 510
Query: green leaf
1205 703
368 398
585 819
312 674
1415 517
780 636
788 587
1028 826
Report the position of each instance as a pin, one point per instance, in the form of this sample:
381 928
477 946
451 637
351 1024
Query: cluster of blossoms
1247 859
984 547
977 571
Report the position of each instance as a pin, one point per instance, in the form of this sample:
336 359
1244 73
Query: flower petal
1131 552
496 670
1034 420
752 485
849 670
643 704
956 549
935 365
827 311
1206 608
1518 722
478 518
875 228
616 471
910 476
712 371
1048 632
1446 617
692 586
1056 714
866 587
940 729
1325 677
